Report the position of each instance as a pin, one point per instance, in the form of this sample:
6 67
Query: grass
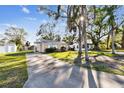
13 69
100 65
117 50
71 55
106 68
65 56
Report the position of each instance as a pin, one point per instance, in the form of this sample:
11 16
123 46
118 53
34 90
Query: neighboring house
8 47
41 45
76 45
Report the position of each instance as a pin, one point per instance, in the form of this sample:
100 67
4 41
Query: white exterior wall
8 48
40 47
76 45
2 49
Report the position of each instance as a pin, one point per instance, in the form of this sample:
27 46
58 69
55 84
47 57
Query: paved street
47 72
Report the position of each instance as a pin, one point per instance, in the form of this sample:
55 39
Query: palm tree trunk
108 41
113 39
122 41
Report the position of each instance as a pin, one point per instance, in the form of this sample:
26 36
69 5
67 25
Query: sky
26 17
29 18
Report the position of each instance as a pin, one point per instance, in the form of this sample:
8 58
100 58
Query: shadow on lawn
104 66
13 70
108 64
13 76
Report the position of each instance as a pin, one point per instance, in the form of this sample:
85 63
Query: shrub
50 50
63 49
102 45
71 49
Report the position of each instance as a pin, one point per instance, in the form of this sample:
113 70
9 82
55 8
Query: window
77 46
83 46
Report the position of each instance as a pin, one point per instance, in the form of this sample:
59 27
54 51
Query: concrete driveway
47 72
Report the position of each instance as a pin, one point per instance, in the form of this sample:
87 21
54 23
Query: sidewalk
47 72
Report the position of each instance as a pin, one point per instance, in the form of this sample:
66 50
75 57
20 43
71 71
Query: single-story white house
8 47
41 45
76 45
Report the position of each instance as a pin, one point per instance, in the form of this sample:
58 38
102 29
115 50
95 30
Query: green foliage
102 45
97 24
69 39
47 32
63 49
50 50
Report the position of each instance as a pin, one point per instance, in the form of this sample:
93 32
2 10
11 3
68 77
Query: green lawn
71 55
117 50
13 70
104 61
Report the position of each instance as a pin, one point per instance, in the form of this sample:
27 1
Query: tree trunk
122 41
85 36
113 39
85 44
78 59
108 41
96 45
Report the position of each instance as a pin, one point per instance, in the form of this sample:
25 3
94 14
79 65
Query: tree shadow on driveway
47 72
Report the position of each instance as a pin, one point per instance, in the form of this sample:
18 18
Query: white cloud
8 25
25 9
31 18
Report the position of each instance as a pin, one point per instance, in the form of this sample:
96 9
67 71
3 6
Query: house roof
88 41
48 41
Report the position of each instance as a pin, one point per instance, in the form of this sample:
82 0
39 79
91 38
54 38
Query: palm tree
122 40
112 23
114 26
113 39
16 35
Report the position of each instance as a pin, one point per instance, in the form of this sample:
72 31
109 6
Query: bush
71 49
50 50
102 45
63 49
